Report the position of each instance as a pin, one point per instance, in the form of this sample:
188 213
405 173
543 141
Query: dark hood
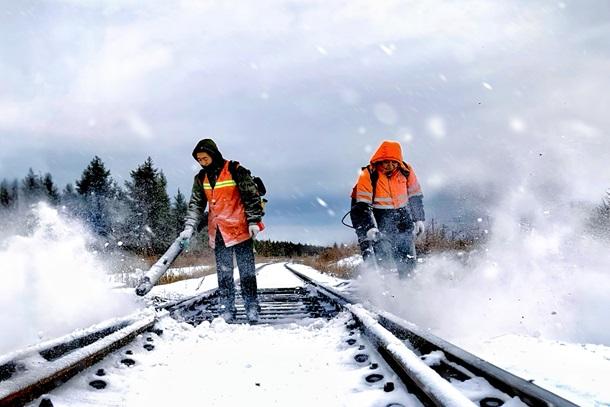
208 146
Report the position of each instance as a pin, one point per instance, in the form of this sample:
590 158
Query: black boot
252 313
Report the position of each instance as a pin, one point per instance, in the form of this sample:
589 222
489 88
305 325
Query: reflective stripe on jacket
390 192
400 193
226 210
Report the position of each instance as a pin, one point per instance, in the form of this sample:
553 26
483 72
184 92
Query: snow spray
52 283
540 273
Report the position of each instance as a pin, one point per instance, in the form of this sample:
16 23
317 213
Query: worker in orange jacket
235 214
387 209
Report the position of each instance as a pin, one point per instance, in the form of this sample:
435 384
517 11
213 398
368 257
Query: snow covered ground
575 371
227 365
297 364
550 328
351 261
300 364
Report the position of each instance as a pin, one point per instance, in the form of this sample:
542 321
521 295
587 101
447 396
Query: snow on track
226 365
277 276
219 364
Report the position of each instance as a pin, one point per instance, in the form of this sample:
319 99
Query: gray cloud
485 96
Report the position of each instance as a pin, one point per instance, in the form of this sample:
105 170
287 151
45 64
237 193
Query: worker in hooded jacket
387 209
235 216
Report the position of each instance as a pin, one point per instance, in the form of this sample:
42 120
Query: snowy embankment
350 262
574 371
184 272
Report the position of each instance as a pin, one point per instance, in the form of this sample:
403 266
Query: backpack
260 185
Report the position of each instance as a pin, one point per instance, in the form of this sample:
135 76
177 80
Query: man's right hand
373 234
185 236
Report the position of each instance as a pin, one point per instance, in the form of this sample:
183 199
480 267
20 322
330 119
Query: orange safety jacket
391 192
226 209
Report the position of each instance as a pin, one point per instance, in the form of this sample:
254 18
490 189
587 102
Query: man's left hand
419 228
254 229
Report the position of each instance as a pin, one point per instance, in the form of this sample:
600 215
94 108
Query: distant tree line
270 248
138 216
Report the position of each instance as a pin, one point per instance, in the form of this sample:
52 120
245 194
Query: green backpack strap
233 167
260 186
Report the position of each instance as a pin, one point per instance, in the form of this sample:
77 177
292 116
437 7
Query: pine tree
95 189
118 211
95 179
70 200
33 188
50 189
6 199
15 192
68 192
149 222
162 224
178 213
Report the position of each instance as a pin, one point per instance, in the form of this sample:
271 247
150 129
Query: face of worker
387 167
203 158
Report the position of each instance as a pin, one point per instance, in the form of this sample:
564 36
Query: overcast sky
485 96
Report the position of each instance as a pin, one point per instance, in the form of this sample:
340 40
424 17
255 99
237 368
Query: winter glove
373 234
419 228
185 237
255 228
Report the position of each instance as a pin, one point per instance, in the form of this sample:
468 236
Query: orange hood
388 150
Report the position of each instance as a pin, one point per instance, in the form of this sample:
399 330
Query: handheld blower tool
153 275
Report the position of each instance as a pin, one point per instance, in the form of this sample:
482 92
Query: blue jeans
397 248
244 253
398 245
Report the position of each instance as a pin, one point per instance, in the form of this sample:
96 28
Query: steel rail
185 302
459 363
33 371
24 378
29 373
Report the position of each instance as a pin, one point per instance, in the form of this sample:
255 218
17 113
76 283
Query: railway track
29 373
430 368
399 342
